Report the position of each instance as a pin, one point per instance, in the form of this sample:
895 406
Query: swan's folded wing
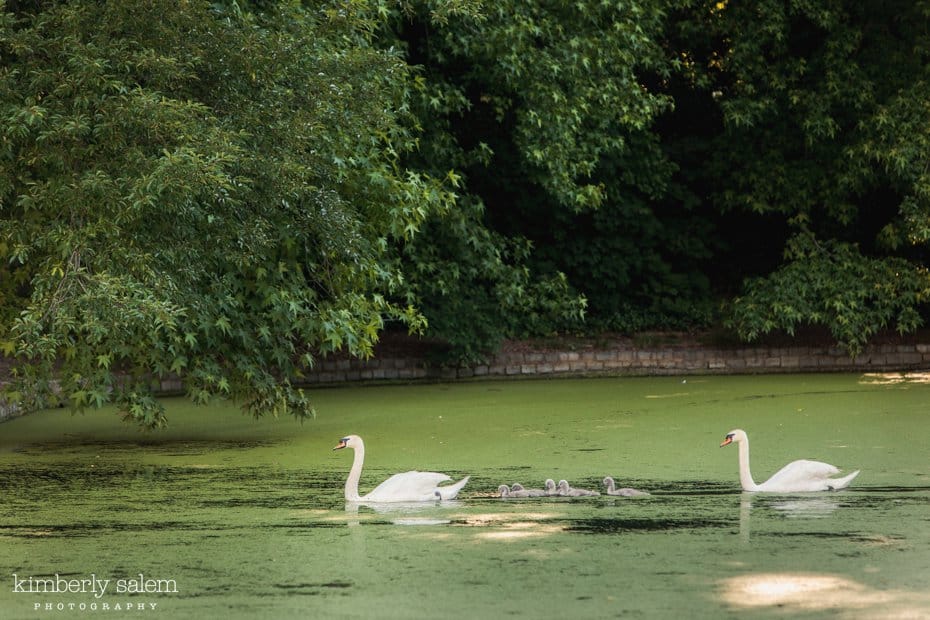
409 486
802 471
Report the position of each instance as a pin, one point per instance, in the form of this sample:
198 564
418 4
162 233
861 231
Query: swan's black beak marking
727 441
341 444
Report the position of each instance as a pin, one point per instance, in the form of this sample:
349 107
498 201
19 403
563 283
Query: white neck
351 490
745 476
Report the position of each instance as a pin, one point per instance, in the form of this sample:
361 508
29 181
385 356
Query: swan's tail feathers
450 491
841 483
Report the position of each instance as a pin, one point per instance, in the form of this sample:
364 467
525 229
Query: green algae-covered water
223 516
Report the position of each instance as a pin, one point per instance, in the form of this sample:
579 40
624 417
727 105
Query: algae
247 516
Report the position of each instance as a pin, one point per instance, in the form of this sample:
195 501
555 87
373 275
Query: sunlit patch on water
806 592
497 518
520 530
894 378
506 526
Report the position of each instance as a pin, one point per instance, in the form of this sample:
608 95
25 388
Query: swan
625 491
529 492
795 477
567 491
550 487
412 486
516 490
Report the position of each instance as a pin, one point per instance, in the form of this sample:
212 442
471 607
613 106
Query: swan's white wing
801 476
409 486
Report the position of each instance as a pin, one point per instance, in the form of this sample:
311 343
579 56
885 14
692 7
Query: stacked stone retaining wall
622 359
631 360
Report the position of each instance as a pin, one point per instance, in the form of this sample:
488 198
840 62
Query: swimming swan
516 490
413 486
567 491
796 477
528 492
625 491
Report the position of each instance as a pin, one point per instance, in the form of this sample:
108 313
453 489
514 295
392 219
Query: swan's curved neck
745 476
351 490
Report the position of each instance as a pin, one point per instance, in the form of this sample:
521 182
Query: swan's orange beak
340 445
727 441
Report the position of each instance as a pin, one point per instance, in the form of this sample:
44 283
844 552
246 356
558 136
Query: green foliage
545 110
194 191
832 284
473 287
823 124
561 79
226 190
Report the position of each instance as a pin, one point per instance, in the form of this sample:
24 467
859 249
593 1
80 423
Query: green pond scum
224 516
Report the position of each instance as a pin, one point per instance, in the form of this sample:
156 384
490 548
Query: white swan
413 486
625 491
795 477
550 487
567 491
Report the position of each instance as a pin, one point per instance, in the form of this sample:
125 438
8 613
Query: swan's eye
730 436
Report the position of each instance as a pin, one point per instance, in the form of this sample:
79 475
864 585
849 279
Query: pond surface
222 516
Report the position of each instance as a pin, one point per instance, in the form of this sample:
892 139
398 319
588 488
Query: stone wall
618 358
627 359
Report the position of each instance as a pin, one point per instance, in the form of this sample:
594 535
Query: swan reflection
811 507
806 508
405 513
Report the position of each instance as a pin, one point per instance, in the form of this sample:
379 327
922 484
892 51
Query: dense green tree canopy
228 190
662 153
185 189
546 109
824 125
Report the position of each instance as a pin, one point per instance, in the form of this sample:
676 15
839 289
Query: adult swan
796 477
413 486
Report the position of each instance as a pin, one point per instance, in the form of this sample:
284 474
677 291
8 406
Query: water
228 517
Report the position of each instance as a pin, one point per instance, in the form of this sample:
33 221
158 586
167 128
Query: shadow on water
623 526
311 589
152 446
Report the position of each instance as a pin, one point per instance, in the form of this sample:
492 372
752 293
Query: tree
547 111
824 117
194 190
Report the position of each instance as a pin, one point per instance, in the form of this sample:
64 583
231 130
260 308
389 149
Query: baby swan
506 491
529 492
567 491
624 492
550 487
